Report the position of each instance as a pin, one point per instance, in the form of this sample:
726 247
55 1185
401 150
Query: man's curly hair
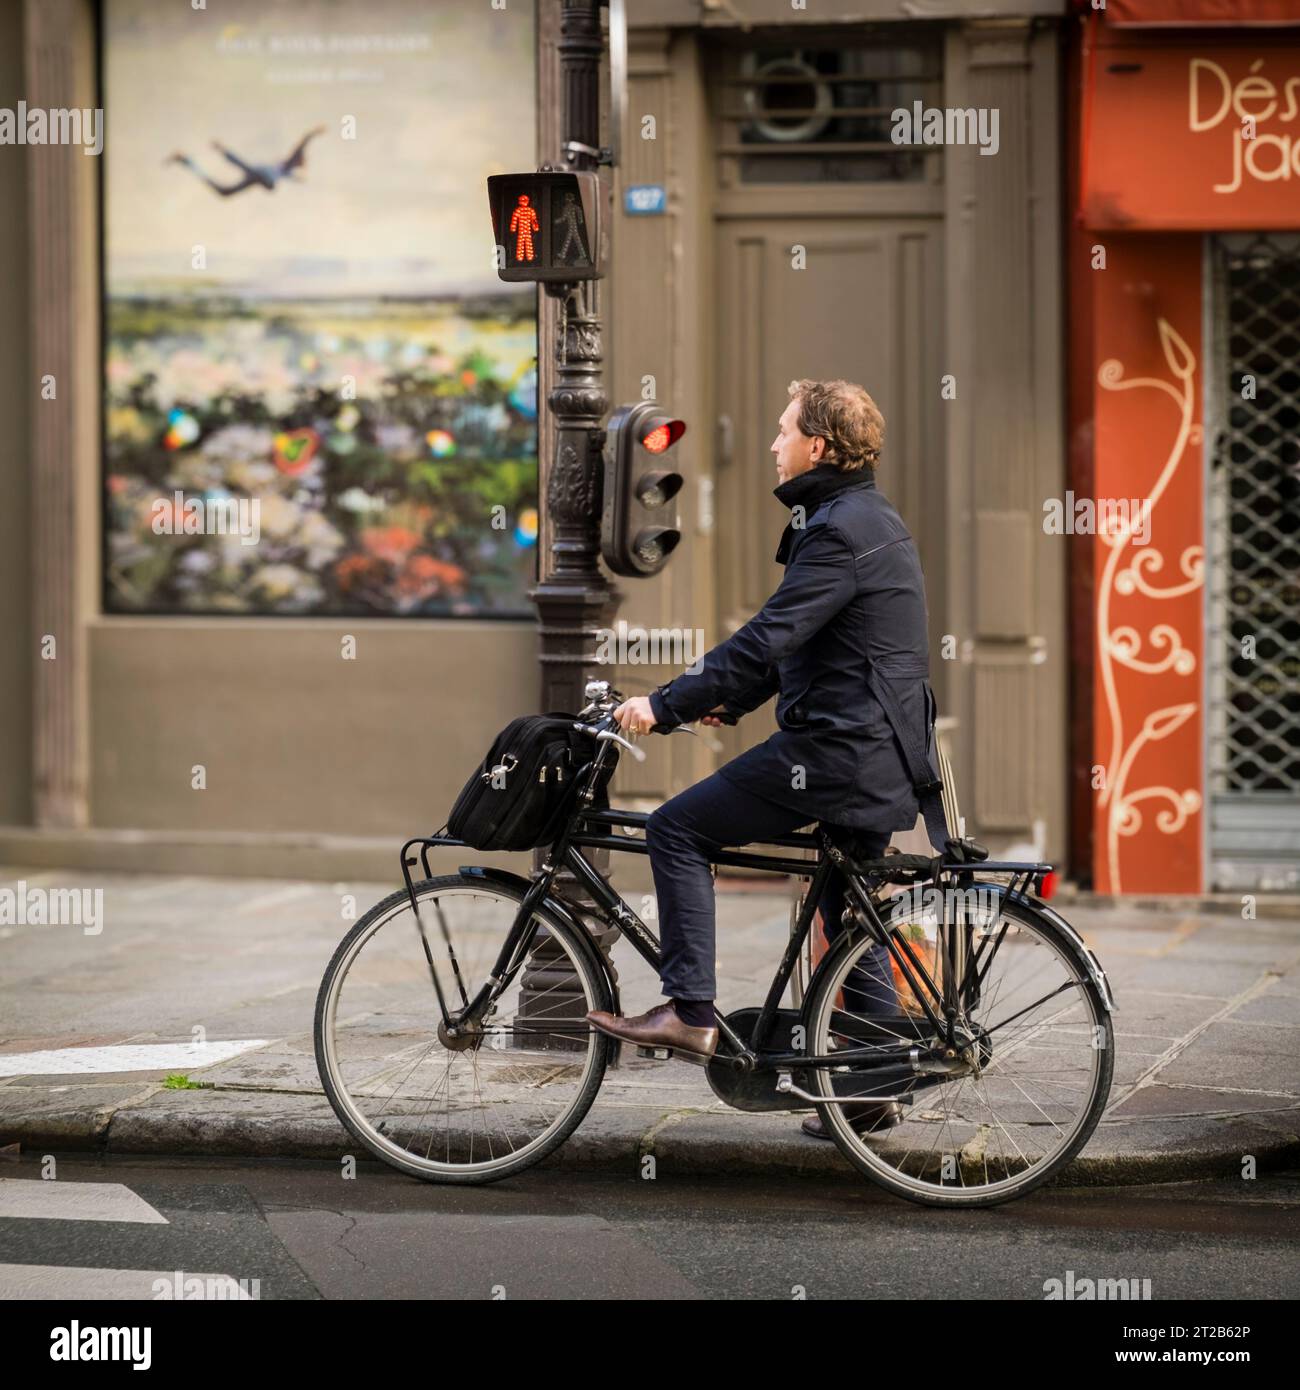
845 417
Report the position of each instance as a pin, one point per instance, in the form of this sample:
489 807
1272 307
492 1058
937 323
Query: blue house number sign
645 199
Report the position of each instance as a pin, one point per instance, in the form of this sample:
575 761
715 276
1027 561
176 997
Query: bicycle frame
940 1005
587 828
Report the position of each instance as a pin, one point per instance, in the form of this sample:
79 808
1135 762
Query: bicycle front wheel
1027 1084
471 1105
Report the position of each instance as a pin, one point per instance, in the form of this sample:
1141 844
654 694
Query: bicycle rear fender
1097 974
1038 908
557 907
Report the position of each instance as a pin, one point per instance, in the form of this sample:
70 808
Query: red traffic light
661 434
638 525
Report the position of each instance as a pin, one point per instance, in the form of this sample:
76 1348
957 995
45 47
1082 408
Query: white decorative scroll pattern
1123 646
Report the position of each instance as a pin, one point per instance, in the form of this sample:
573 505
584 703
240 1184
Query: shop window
318 398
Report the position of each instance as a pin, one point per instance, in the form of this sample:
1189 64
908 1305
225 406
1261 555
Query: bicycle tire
856 1151
377 1144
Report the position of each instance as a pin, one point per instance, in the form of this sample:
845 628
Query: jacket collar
810 489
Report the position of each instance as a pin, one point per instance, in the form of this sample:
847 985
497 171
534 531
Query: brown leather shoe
863 1119
660 1030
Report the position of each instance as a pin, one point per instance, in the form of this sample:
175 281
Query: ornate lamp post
574 598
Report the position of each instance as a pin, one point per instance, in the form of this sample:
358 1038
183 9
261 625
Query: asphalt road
303 1231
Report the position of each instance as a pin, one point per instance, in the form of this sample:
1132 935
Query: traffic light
546 225
638 529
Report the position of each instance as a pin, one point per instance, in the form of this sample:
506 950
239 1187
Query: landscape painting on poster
319 399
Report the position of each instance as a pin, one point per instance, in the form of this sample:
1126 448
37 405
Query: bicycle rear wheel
1021 1098
486 1102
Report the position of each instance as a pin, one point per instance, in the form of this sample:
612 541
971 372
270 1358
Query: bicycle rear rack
602 837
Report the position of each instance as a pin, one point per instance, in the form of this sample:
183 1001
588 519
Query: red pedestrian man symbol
523 222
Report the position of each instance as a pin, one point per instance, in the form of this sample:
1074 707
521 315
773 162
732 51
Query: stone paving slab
1168 1101
1276 1006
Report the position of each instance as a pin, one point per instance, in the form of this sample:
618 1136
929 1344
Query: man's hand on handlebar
637 716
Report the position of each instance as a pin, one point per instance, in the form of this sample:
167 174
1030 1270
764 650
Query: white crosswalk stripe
38 1201
79 1282
66 1061
34 1199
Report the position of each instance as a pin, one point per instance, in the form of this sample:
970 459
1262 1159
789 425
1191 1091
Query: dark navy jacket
849 614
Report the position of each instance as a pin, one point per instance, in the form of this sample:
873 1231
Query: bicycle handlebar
604 700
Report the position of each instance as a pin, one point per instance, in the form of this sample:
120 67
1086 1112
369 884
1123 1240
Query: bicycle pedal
655 1054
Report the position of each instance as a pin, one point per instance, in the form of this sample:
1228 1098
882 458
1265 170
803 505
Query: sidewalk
1207 1066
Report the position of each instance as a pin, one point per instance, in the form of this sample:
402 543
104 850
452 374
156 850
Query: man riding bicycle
843 643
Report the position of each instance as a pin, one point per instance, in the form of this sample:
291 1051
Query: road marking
77 1282
291 989
137 1057
33 1199
161 890
277 898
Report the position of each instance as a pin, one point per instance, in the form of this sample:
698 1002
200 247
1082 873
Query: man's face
795 451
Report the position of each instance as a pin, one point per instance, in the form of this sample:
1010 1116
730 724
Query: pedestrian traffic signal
546 225
638 530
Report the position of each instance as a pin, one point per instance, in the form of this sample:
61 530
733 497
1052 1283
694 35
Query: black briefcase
523 791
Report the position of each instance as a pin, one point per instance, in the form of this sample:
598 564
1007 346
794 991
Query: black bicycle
452 1039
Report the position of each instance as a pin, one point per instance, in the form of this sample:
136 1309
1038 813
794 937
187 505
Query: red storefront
1184 394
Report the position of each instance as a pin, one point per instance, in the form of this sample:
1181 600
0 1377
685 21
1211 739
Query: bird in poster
254 175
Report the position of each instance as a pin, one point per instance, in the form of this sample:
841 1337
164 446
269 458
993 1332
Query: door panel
866 307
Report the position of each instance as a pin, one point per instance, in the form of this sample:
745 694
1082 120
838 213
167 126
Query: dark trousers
682 833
